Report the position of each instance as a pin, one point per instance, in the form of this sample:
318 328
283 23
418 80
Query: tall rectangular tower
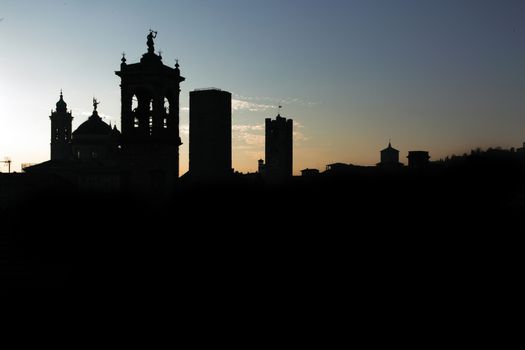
150 122
210 133
279 148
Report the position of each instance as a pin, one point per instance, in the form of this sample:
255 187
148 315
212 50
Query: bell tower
61 131
150 119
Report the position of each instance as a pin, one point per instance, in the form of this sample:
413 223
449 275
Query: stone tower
61 131
279 148
210 134
150 121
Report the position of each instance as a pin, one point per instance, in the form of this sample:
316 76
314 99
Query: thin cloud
253 139
274 102
299 101
247 128
299 137
242 105
248 136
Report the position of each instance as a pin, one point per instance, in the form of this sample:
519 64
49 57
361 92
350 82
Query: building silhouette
93 159
144 158
131 242
150 130
261 166
279 148
309 172
61 131
389 157
337 168
210 134
418 159
95 140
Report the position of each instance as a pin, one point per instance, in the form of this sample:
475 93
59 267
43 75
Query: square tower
150 121
279 148
210 133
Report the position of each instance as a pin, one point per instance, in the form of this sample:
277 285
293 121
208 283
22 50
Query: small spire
123 60
177 63
61 104
389 143
279 112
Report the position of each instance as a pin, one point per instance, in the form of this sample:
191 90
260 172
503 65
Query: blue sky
444 76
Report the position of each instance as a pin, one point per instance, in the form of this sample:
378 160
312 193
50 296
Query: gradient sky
439 75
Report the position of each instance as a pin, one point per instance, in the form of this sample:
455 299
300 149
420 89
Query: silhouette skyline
439 77
108 215
143 159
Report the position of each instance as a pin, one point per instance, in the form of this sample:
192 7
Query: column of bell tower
150 134
61 121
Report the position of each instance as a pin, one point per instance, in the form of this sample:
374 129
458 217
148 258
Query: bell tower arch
150 118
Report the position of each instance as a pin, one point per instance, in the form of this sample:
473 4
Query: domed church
144 157
87 158
94 139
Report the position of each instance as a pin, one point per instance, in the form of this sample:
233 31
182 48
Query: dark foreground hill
383 239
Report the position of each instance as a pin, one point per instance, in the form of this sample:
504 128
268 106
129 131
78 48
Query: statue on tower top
152 35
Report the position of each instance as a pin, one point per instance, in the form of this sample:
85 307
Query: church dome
389 148
93 126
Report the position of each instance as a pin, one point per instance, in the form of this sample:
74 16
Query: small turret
61 131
